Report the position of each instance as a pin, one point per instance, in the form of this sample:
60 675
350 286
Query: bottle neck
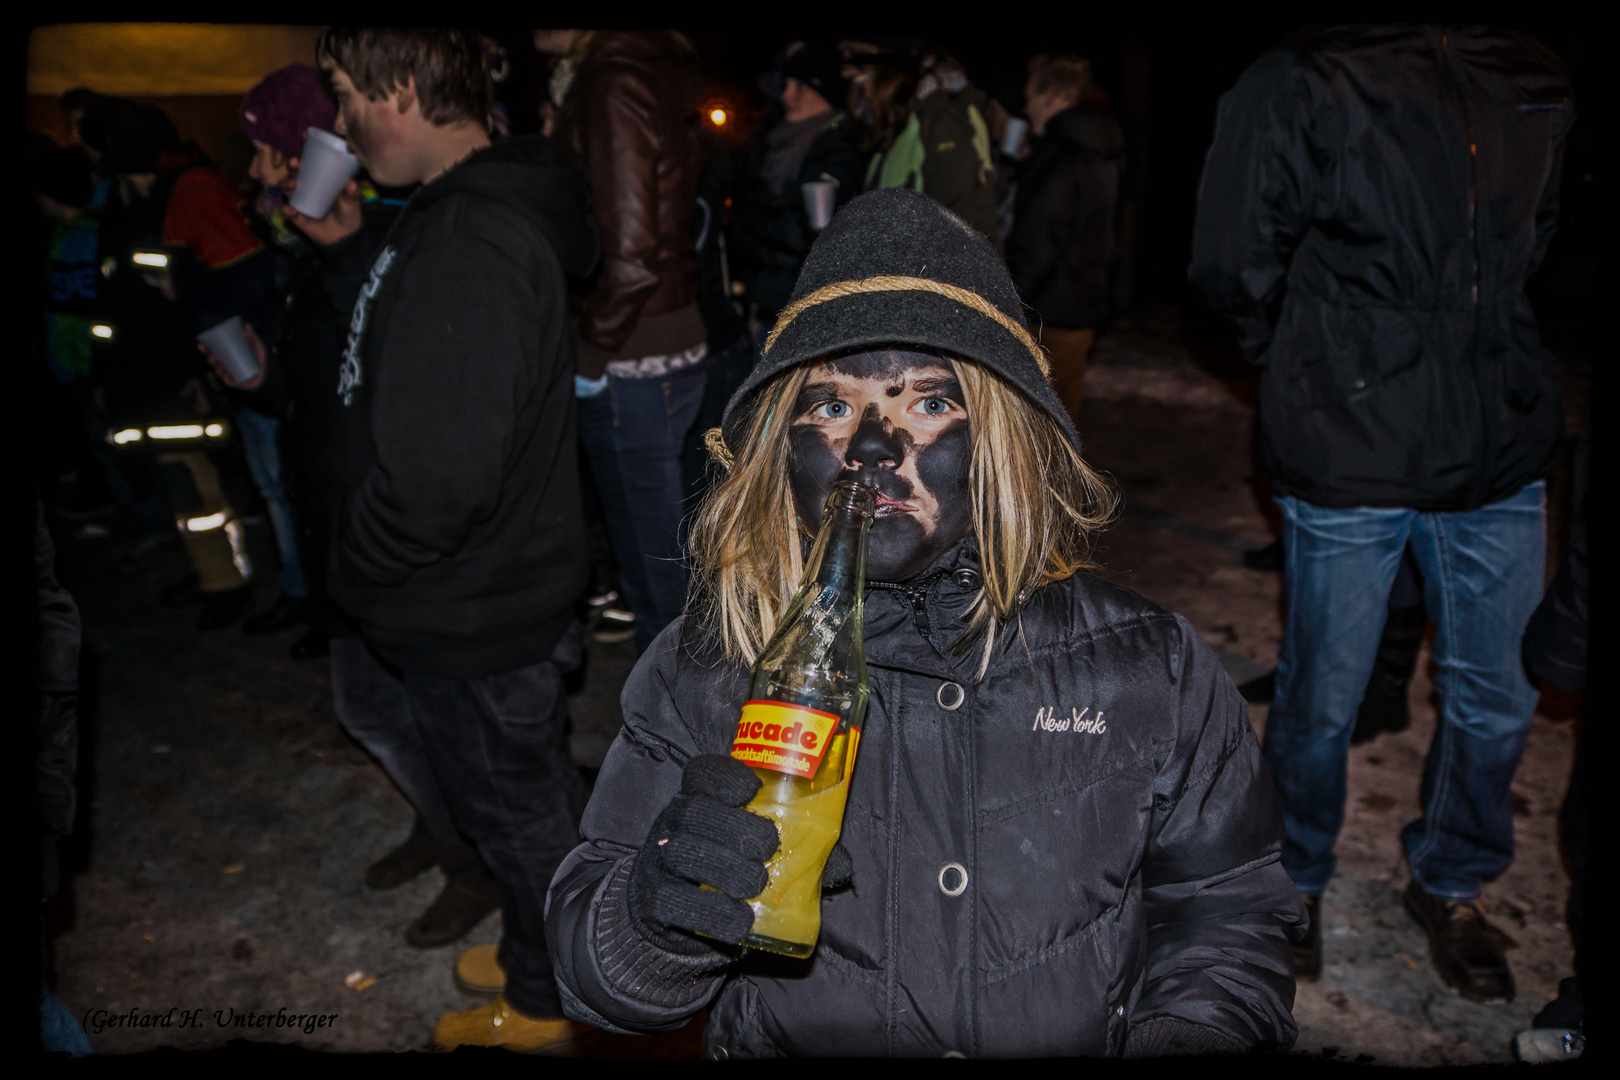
838 558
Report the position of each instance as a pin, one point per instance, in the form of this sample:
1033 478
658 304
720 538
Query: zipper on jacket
1486 463
1473 180
917 593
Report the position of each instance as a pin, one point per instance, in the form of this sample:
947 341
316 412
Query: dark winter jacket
1370 209
1101 789
1061 248
459 545
772 228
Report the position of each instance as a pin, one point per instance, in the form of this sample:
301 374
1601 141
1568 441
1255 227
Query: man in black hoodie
458 544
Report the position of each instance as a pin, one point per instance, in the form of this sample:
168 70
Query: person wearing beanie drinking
302 352
1060 839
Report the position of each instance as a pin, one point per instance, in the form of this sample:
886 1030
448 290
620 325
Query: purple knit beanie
285 105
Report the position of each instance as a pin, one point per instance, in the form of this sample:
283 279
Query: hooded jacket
1370 208
459 546
1076 854
1061 247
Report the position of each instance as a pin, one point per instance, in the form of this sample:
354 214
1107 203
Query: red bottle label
783 738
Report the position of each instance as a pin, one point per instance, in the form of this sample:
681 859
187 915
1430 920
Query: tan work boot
478 972
498 1024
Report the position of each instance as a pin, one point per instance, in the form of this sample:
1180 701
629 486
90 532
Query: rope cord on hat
898 283
714 440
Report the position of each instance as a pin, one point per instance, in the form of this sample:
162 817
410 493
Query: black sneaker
223 609
415 857
1308 952
186 592
284 614
314 644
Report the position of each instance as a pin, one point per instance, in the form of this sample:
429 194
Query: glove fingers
707 863
840 868
720 777
740 830
701 911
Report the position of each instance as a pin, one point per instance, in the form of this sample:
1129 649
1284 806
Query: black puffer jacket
1370 209
1101 788
1061 248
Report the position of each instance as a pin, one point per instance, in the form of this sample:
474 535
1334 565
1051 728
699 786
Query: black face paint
906 468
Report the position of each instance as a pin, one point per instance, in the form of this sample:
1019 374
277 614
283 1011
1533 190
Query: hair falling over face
1037 507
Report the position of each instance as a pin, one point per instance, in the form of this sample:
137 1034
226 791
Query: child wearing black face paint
1060 837
896 421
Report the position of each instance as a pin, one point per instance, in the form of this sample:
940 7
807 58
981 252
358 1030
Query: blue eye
831 410
935 406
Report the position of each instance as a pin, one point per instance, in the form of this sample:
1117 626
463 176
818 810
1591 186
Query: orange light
718 117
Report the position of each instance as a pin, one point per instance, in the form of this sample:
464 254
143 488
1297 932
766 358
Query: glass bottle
801 725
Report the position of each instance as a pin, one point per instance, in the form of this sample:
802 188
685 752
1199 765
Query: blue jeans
262 447
1481 572
633 433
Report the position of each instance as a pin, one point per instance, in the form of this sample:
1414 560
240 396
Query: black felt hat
897 269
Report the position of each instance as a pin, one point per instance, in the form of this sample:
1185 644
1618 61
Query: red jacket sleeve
205 215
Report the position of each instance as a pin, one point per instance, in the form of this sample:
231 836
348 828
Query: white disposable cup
1013 137
228 342
323 170
819 199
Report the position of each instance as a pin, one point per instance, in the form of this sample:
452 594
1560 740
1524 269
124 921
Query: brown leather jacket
630 120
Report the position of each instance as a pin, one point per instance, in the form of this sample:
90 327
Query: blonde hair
1036 509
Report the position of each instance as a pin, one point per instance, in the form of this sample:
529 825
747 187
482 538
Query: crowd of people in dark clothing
500 379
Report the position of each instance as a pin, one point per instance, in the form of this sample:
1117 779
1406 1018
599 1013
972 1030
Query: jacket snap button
958 878
720 1053
950 696
967 579
954 1054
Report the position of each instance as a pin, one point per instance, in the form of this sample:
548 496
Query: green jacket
944 152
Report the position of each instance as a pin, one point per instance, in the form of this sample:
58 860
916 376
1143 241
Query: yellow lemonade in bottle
801 726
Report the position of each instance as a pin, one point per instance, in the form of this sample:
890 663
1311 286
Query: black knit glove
703 837
700 839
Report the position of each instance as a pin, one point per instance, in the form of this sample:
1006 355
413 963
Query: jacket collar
915 625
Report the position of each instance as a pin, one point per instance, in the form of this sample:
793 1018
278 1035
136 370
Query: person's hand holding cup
323 198
231 371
